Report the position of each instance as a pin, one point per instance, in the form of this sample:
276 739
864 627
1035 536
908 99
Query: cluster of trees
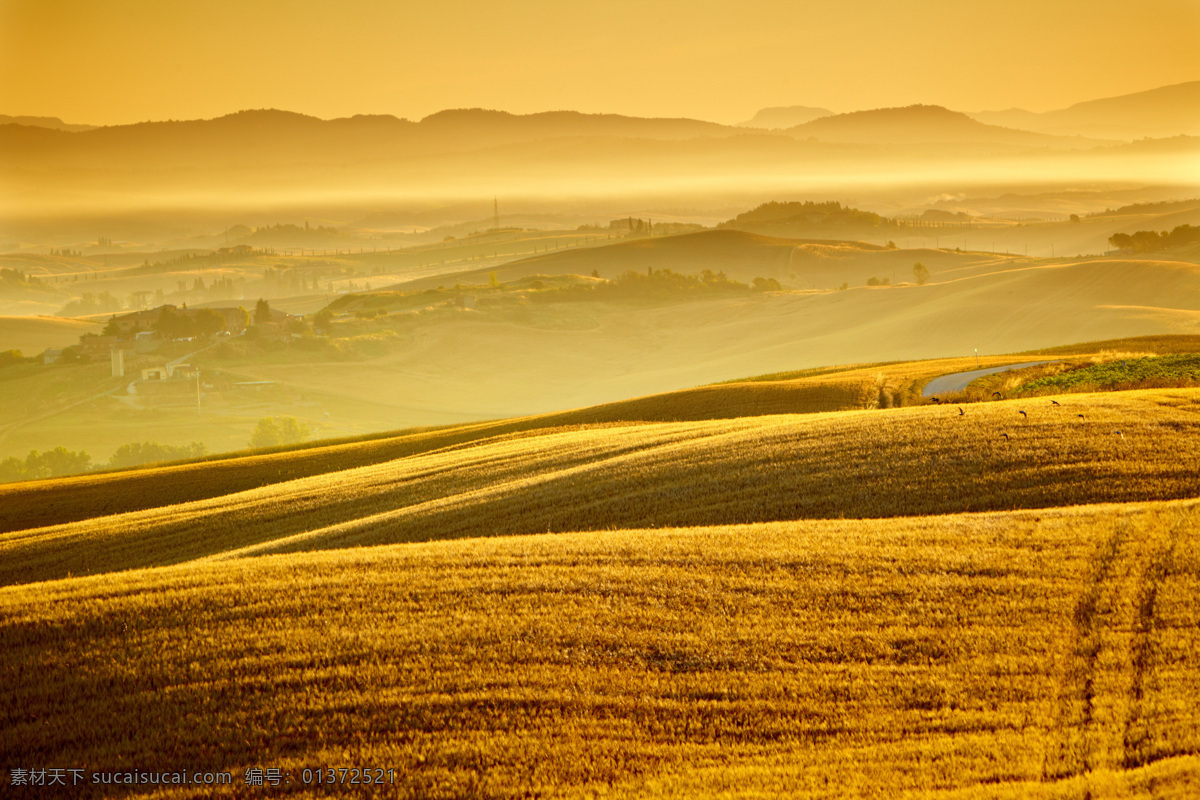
658 280
632 225
780 216
66 253
661 283
91 304
15 277
61 461
219 289
1153 241
137 453
272 233
173 323
10 357
50 464
291 279
276 431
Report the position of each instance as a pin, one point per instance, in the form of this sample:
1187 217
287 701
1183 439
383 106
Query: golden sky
121 61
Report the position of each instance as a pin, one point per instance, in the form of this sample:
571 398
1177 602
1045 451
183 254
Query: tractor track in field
1103 718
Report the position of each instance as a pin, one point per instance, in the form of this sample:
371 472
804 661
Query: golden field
1047 653
1126 447
732 591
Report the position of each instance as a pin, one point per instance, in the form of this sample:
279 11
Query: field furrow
824 658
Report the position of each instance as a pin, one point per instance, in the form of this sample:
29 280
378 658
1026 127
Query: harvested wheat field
1128 446
914 602
1042 653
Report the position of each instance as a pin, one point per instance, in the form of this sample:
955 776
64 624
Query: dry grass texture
901 462
1043 654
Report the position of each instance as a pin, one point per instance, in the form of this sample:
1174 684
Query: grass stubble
899 603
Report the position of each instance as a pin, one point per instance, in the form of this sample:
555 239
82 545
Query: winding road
957 381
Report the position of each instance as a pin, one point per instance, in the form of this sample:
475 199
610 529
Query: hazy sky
119 61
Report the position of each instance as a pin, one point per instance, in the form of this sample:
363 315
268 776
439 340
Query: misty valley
566 455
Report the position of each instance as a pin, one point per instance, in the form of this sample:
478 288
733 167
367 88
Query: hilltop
920 124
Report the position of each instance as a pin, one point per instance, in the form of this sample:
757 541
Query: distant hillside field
32 335
540 358
462 355
742 256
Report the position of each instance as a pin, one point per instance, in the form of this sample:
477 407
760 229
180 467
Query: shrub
131 455
276 431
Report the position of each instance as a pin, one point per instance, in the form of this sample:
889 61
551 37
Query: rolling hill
930 610
529 351
921 124
710 472
742 255
538 357
32 335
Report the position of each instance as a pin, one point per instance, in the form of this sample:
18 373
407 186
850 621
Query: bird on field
1080 416
1120 434
934 399
996 395
961 412
1054 403
1005 435
1023 414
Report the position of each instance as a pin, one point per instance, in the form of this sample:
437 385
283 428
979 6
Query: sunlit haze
123 61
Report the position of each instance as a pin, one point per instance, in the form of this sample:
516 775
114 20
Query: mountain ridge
1163 111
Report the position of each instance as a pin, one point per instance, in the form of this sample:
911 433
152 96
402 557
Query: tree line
1154 241
61 461
270 432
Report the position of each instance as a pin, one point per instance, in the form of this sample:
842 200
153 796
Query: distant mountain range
1166 111
54 123
271 156
271 137
921 125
